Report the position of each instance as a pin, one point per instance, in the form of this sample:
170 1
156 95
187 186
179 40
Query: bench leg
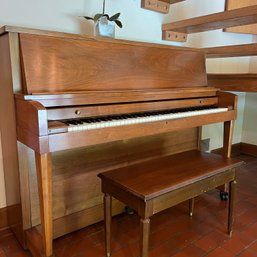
191 206
232 191
107 219
145 231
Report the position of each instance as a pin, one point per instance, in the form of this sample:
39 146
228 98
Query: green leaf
119 24
115 17
88 18
97 16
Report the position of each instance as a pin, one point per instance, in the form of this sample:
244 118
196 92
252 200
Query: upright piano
81 105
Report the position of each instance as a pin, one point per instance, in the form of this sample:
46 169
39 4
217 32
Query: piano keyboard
137 118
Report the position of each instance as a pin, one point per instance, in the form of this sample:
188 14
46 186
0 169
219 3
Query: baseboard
3 218
235 151
249 149
240 148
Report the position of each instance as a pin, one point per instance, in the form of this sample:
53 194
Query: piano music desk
156 185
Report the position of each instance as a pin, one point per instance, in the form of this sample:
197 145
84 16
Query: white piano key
139 120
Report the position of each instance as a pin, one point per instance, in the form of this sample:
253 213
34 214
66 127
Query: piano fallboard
117 96
82 111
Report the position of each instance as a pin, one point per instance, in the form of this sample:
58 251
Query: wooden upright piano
80 105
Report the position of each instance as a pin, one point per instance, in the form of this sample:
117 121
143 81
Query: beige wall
139 24
250 119
250 112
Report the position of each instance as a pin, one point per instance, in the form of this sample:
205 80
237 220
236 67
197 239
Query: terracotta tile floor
173 232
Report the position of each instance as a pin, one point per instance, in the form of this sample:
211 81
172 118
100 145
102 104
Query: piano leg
108 220
228 137
44 178
227 145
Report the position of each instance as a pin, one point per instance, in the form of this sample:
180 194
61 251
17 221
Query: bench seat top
156 177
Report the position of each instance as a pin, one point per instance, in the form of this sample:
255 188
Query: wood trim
3 218
234 82
231 51
249 149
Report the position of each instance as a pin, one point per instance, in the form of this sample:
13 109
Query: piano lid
60 64
118 96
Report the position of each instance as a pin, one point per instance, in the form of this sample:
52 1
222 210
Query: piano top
23 30
55 62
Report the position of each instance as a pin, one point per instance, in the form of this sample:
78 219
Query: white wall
139 24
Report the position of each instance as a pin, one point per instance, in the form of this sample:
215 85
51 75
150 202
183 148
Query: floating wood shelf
245 82
221 20
235 4
162 6
231 51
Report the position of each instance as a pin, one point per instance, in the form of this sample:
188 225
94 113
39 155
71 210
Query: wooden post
232 192
107 219
191 206
227 143
145 231
44 178
228 137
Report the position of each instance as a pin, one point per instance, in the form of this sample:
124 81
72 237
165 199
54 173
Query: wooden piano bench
156 185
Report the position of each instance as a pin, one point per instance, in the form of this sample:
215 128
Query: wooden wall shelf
245 82
231 51
235 4
221 20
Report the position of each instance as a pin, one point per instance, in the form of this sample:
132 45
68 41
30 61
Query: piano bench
156 185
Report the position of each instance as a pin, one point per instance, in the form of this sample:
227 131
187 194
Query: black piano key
133 115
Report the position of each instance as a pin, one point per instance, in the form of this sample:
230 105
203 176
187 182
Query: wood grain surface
230 18
66 65
235 4
154 178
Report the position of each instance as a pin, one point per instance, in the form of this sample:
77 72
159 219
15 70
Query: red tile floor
173 232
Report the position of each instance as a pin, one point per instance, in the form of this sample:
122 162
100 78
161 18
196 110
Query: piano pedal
129 211
223 195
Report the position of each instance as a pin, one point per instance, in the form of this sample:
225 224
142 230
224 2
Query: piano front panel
76 205
82 138
66 65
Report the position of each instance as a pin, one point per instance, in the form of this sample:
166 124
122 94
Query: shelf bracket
156 5
174 36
